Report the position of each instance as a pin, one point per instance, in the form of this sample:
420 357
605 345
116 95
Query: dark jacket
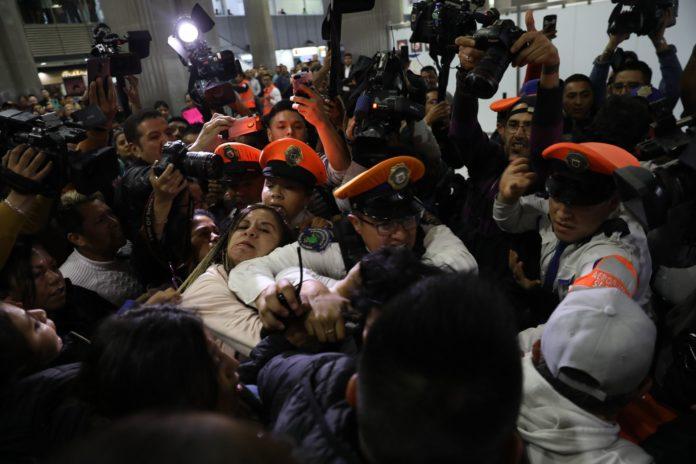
304 397
38 415
83 311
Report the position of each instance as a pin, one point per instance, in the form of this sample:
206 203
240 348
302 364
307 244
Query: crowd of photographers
293 277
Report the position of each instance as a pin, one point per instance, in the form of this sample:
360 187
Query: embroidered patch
293 155
577 162
230 153
315 239
399 176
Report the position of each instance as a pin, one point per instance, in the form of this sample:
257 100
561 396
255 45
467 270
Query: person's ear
500 127
269 134
357 224
352 391
76 239
134 149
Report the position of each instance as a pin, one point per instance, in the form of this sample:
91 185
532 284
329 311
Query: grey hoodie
557 431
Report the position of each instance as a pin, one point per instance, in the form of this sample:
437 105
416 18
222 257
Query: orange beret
504 104
294 159
234 152
394 173
601 158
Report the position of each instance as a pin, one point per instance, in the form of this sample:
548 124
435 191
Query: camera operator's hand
312 107
167 186
107 102
133 93
658 36
515 181
209 138
439 112
533 47
26 162
469 55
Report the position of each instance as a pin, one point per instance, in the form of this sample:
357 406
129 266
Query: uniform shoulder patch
315 239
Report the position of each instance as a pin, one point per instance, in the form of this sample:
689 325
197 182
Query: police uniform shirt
578 259
249 278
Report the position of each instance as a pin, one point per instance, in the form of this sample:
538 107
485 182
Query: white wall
581 37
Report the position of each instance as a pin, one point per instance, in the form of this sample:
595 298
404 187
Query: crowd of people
310 292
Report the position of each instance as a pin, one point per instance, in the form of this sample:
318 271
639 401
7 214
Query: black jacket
83 311
304 399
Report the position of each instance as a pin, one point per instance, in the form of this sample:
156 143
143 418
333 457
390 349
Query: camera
670 136
641 17
496 41
196 164
210 73
48 133
438 23
107 46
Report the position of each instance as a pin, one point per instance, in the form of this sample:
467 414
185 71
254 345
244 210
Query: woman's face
122 147
48 281
289 195
256 235
37 329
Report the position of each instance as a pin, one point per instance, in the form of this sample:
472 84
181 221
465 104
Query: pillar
260 31
164 77
366 33
19 74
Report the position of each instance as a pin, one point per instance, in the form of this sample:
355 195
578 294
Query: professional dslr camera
48 133
438 23
496 40
385 101
641 17
200 165
210 73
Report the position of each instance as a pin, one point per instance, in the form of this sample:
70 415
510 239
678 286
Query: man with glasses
384 213
529 123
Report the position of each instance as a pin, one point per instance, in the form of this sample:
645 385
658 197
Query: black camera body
194 164
641 17
495 40
107 45
386 100
48 133
438 23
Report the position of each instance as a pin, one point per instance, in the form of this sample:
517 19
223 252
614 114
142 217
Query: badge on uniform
399 176
315 239
293 155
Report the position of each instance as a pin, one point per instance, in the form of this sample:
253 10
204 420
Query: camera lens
483 80
202 165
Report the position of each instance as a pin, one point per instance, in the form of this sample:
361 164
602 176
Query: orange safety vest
247 98
267 105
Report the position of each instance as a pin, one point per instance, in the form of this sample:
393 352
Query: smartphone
301 78
100 67
549 23
244 126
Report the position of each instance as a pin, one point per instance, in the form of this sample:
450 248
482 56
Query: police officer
587 237
384 212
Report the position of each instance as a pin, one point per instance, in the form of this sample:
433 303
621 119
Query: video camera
641 17
48 133
385 101
210 73
196 164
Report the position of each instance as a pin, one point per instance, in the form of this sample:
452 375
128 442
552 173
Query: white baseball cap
603 333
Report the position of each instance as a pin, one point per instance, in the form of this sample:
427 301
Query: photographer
631 75
531 124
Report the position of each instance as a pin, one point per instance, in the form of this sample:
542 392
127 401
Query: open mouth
245 244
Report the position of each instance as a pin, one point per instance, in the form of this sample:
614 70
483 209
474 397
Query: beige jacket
230 320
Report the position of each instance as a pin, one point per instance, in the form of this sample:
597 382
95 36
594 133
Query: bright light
304 51
43 63
187 31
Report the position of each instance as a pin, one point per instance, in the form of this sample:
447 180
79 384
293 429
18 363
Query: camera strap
21 184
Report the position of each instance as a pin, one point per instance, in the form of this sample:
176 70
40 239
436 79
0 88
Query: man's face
33 100
430 100
287 124
177 127
289 195
400 233
577 99
164 111
516 134
347 60
245 192
154 133
430 78
574 223
101 234
625 81
266 80
204 235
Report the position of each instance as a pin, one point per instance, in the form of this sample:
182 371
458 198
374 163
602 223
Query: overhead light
56 5
186 31
43 63
86 59
304 51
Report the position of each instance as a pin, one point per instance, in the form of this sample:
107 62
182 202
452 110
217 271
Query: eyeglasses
386 228
514 125
619 86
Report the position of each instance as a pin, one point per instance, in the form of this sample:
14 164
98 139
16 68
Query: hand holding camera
311 107
106 100
26 162
534 47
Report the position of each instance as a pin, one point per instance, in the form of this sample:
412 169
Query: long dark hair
16 276
153 358
218 254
